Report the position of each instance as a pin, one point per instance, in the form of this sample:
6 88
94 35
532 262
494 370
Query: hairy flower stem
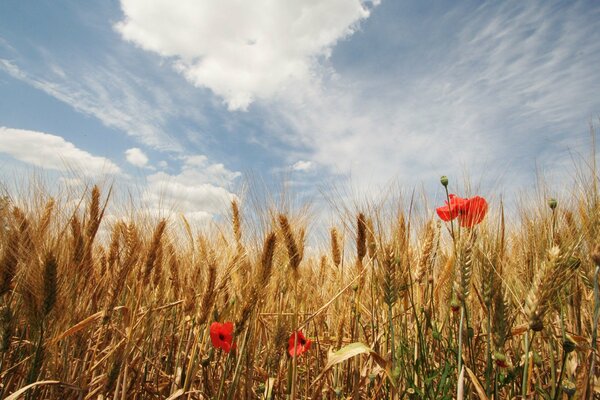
292 384
451 221
391 319
237 371
553 370
525 383
36 366
392 345
595 330
562 368
225 373
488 367
460 339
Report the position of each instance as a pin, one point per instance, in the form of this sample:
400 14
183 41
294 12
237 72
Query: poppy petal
445 213
298 344
474 211
221 336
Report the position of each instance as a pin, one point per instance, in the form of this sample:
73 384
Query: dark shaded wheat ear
336 254
361 238
294 254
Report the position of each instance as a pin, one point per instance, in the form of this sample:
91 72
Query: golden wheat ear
336 254
291 245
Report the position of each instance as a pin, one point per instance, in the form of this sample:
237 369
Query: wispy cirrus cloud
109 93
496 88
49 151
504 86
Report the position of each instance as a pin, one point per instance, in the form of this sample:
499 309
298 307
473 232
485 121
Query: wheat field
393 305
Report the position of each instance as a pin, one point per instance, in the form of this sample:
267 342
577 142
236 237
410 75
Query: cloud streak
513 86
119 101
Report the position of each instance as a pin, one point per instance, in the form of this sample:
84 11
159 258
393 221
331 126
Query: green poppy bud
552 203
568 345
537 360
500 360
569 388
444 180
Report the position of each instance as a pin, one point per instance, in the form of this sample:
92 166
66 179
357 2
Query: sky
191 101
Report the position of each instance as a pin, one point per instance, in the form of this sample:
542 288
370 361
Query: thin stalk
459 350
236 373
562 369
595 330
295 358
37 360
392 345
553 369
488 368
225 371
524 384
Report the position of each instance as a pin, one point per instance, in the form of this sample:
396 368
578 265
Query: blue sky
187 100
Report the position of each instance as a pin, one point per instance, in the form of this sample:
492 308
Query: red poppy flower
470 212
221 336
451 210
302 344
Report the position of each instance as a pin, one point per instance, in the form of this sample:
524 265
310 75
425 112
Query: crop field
452 301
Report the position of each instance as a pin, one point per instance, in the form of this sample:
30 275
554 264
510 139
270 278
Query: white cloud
136 156
199 190
242 51
109 93
302 165
515 84
52 152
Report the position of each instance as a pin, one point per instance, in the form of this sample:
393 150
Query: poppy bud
536 325
552 203
537 360
500 360
573 263
568 345
455 305
569 388
444 180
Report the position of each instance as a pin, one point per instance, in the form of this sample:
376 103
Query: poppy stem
460 339
236 373
451 220
595 330
294 358
525 383
225 371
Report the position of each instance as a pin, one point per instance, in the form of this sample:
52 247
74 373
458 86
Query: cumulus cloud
52 152
302 165
242 51
136 156
199 190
